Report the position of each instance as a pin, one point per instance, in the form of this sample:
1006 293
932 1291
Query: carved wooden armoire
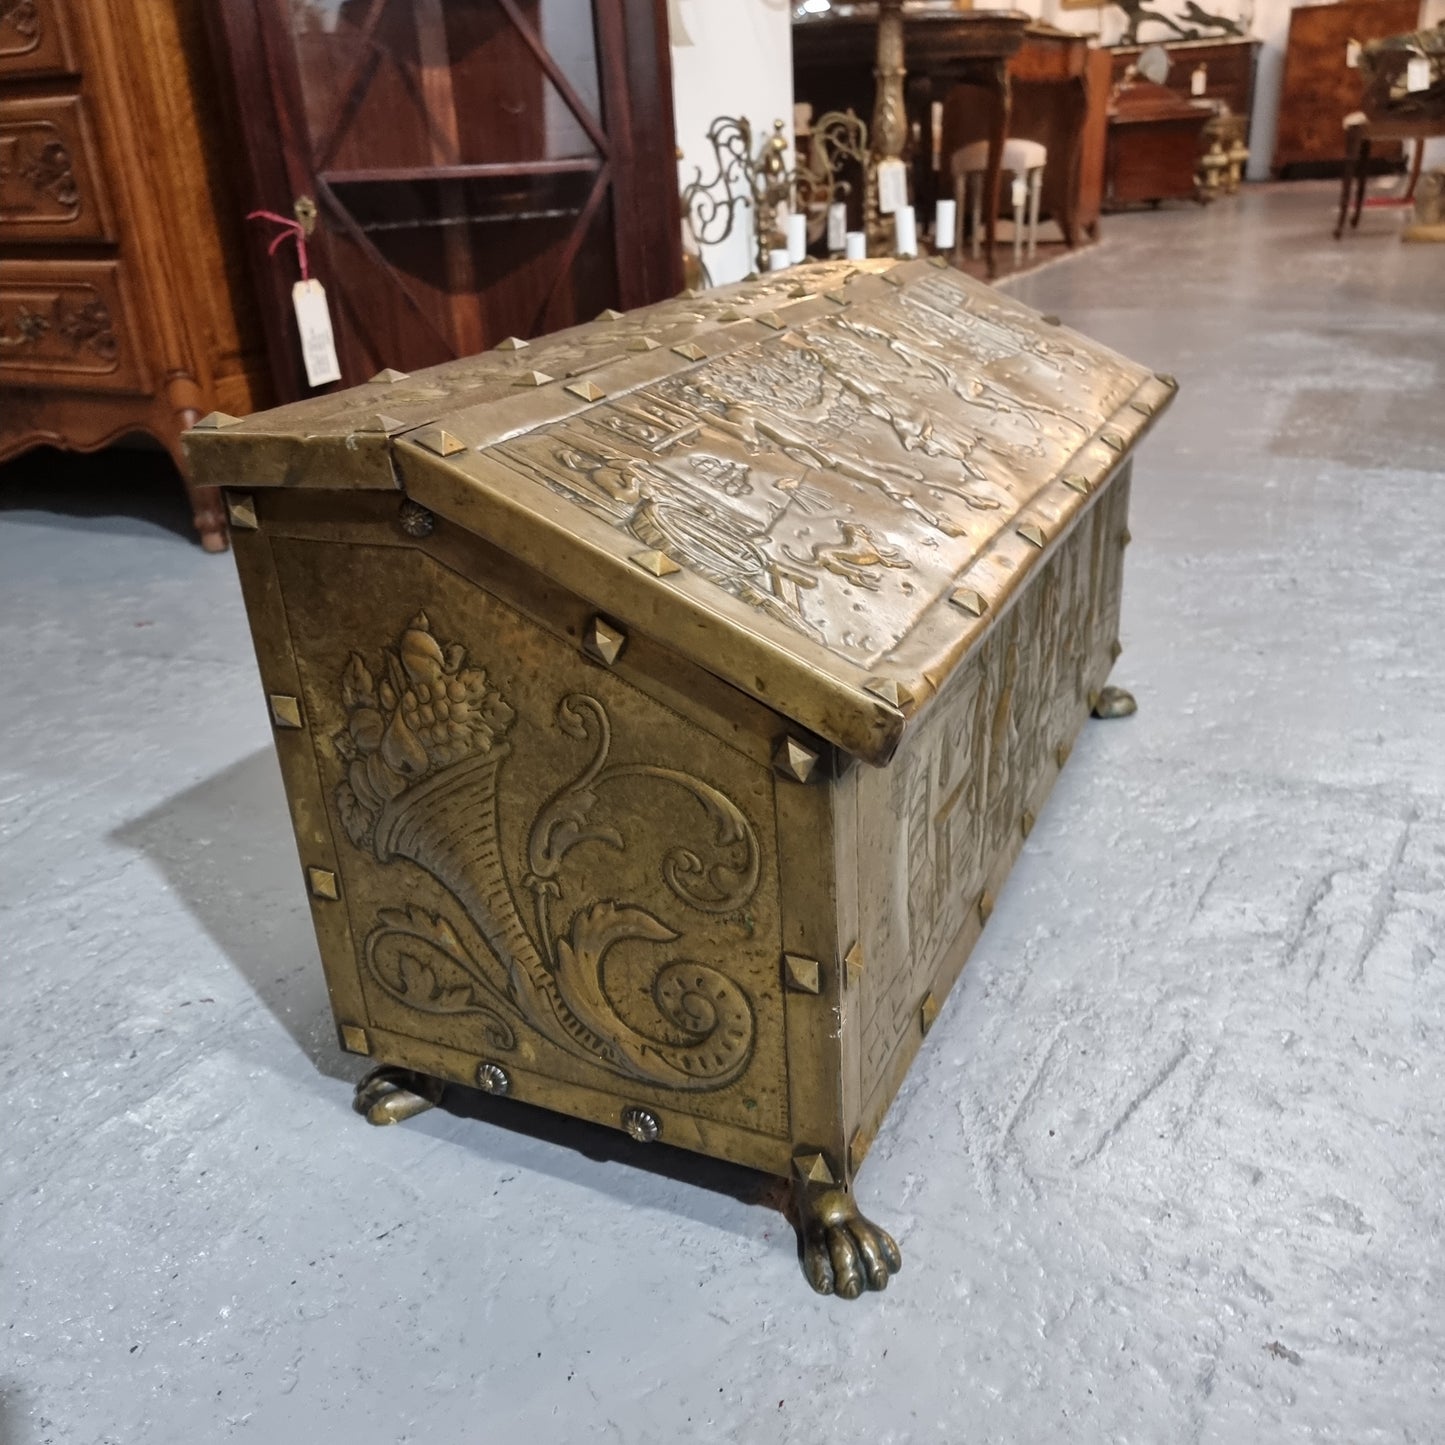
124 305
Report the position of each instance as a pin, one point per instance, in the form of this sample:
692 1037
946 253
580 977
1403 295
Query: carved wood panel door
480 168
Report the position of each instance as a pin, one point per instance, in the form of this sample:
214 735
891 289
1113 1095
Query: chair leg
960 185
975 180
1036 188
1362 170
1352 152
1020 210
1415 169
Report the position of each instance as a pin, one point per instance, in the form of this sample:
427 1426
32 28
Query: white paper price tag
892 186
1417 74
837 226
1352 54
318 344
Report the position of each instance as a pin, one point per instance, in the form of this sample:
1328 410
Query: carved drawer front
35 39
51 186
68 323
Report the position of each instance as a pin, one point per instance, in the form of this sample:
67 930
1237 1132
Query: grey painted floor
1170 1168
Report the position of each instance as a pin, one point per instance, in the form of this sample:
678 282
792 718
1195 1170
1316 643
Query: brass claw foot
843 1253
388 1095
1115 702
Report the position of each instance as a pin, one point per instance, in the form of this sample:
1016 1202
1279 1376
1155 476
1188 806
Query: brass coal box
662 704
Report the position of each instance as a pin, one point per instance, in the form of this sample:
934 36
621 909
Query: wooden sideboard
1319 89
1154 144
124 303
1230 67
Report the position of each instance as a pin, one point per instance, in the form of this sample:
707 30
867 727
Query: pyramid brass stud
891 691
928 1012
322 882
853 966
1142 407
659 564
1026 823
241 509
800 293
1112 440
967 600
354 1039
643 343
1077 483
390 375
771 320
1061 753
603 641
1171 382
940 261
793 760
894 279
802 975
512 343
1115 648
985 906
732 313
437 439
1050 319
690 351
285 710
380 422
587 390
1031 534
216 421
813 1168
608 314
690 293
531 378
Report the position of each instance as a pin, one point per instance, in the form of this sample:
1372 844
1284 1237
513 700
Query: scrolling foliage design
424 745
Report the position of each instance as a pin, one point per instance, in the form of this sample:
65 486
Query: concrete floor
1170 1168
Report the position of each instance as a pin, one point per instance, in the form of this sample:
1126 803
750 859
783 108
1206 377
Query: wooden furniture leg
1036 190
960 193
1415 169
997 134
1362 169
1347 176
1021 211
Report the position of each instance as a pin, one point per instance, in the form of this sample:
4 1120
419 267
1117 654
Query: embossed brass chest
662 704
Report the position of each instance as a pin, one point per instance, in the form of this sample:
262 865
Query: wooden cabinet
479 169
1229 70
1319 89
1154 144
123 300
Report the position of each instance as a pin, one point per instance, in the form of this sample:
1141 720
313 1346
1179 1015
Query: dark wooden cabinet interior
480 168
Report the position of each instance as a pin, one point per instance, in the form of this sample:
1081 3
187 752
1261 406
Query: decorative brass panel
938 828
51 186
543 865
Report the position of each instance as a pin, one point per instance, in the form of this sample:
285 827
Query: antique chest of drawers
662 704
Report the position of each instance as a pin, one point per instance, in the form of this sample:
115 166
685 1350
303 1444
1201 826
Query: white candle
892 186
906 227
797 237
778 260
945 225
855 247
837 227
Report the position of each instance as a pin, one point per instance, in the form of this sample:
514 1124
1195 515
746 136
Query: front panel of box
540 865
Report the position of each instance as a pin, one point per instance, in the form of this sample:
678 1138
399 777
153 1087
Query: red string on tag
292 230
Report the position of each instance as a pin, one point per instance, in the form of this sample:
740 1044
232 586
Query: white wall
729 57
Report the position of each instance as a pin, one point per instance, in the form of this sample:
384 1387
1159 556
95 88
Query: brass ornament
968 600
603 641
587 390
928 1012
531 378
812 1167
689 351
241 510
641 1124
643 343
659 564
512 343
889 690
795 760
323 885
217 421
437 439
494 1079
415 520
1113 702
389 376
802 975
354 1039
1031 534
608 314
285 711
